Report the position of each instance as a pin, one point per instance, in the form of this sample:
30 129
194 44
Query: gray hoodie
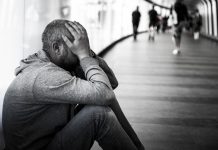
40 100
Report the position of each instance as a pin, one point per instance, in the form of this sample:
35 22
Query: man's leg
92 123
149 31
135 32
177 41
177 38
126 125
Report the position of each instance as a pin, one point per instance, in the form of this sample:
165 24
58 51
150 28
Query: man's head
55 47
153 6
137 8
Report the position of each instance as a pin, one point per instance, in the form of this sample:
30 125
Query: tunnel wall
104 20
11 39
208 10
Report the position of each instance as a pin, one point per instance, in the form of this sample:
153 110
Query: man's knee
95 109
101 114
104 120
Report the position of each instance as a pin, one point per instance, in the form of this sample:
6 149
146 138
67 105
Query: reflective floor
171 101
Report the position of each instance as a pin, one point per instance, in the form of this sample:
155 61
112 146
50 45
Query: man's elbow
108 97
115 85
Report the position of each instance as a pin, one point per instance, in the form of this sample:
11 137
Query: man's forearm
125 124
113 81
116 107
106 68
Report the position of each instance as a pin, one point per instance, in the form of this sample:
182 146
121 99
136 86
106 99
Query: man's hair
53 33
137 7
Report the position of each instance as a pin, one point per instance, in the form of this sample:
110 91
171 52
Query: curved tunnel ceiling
168 3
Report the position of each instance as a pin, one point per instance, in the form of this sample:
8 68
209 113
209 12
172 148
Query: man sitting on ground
62 98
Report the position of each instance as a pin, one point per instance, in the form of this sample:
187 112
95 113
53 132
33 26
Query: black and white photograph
109 75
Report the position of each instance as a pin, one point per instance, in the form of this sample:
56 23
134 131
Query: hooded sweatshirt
40 100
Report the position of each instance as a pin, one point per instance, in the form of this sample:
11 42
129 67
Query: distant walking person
153 17
197 23
136 15
165 23
181 21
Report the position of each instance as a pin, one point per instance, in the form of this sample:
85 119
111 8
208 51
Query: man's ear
55 48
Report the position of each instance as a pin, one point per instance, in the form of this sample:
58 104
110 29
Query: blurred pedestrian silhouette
180 21
136 15
159 22
197 23
153 18
165 23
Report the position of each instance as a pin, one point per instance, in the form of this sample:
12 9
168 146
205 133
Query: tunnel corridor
170 100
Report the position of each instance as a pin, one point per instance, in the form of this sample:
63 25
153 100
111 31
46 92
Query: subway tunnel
171 101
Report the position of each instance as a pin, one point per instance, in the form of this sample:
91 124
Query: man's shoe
176 52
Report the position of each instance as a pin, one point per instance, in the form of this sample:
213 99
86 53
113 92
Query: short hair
53 33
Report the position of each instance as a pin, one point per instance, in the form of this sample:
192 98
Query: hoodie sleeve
112 78
108 71
55 85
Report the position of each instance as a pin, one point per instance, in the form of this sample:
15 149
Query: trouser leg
78 134
135 31
116 138
177 41
178 34
92 123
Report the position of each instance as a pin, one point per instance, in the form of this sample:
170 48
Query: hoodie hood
30 60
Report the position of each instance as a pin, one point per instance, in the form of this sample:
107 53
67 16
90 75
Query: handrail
150 1
103 52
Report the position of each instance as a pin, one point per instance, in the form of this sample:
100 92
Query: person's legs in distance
135 28
92 123
151 31
177 38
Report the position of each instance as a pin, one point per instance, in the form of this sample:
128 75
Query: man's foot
176 52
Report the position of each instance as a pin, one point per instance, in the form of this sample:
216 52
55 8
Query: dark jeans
89 124
135 31
178 29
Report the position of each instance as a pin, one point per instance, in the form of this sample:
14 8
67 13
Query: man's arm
115 105
55 85
116 108
110 74
112 78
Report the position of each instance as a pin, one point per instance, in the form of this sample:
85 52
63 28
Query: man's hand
80 45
